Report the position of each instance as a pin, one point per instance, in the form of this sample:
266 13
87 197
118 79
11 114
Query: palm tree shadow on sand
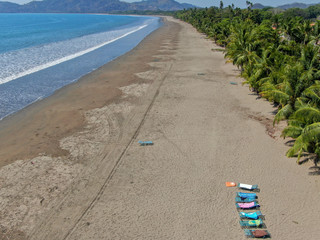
290 143
314 170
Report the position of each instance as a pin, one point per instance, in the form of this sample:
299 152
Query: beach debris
251 223
252 215
248 199
145 143
248 205
257 233
233 83
246 195
231 184
248 187
52 189
246 202
201 74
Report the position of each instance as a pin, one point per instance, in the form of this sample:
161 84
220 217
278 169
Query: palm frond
307 114
292 131
300 103
312 93
263 81
298 148
283 113
311 133
279 96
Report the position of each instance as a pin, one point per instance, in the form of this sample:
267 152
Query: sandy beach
71 166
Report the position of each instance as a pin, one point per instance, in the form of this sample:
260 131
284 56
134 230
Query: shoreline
176 92
41 81
23 116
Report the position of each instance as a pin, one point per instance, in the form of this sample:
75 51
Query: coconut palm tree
240 45
315 33
279 58
261 68
220 32
307 136
304 124
296 78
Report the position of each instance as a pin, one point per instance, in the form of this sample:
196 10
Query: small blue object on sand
248 199
145 143
233 83
251 215
246 195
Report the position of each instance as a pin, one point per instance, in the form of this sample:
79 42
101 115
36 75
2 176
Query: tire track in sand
118 162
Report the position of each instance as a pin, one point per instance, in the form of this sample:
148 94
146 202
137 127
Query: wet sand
71 167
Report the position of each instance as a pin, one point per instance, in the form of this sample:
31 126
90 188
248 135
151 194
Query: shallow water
40 53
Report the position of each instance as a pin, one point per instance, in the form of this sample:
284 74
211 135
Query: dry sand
72 168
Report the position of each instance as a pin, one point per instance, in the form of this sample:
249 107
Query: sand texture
72 168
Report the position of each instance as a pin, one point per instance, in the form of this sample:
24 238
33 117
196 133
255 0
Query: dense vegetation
147 12
278 55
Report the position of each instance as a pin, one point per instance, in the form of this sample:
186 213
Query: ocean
40 53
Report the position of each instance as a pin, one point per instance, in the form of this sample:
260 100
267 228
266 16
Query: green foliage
278 55
307 139
293 12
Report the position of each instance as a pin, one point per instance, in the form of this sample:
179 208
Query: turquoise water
27 30
40 53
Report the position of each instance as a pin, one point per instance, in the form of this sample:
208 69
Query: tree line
278 56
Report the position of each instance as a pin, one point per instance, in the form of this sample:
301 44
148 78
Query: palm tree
304 124
221 5
259 69
297 77
240 46
305 131
282 63
220 32
315 34
311 95
249 4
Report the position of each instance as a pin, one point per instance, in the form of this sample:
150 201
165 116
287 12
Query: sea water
40 53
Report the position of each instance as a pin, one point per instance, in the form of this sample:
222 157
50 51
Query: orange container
231 184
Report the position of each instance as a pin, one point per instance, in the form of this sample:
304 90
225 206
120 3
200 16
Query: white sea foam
20 63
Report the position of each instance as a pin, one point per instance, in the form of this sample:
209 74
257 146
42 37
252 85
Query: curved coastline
27 87
171 89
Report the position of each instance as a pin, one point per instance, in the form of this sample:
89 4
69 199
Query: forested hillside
92 6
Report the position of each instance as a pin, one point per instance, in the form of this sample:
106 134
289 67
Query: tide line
64 59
